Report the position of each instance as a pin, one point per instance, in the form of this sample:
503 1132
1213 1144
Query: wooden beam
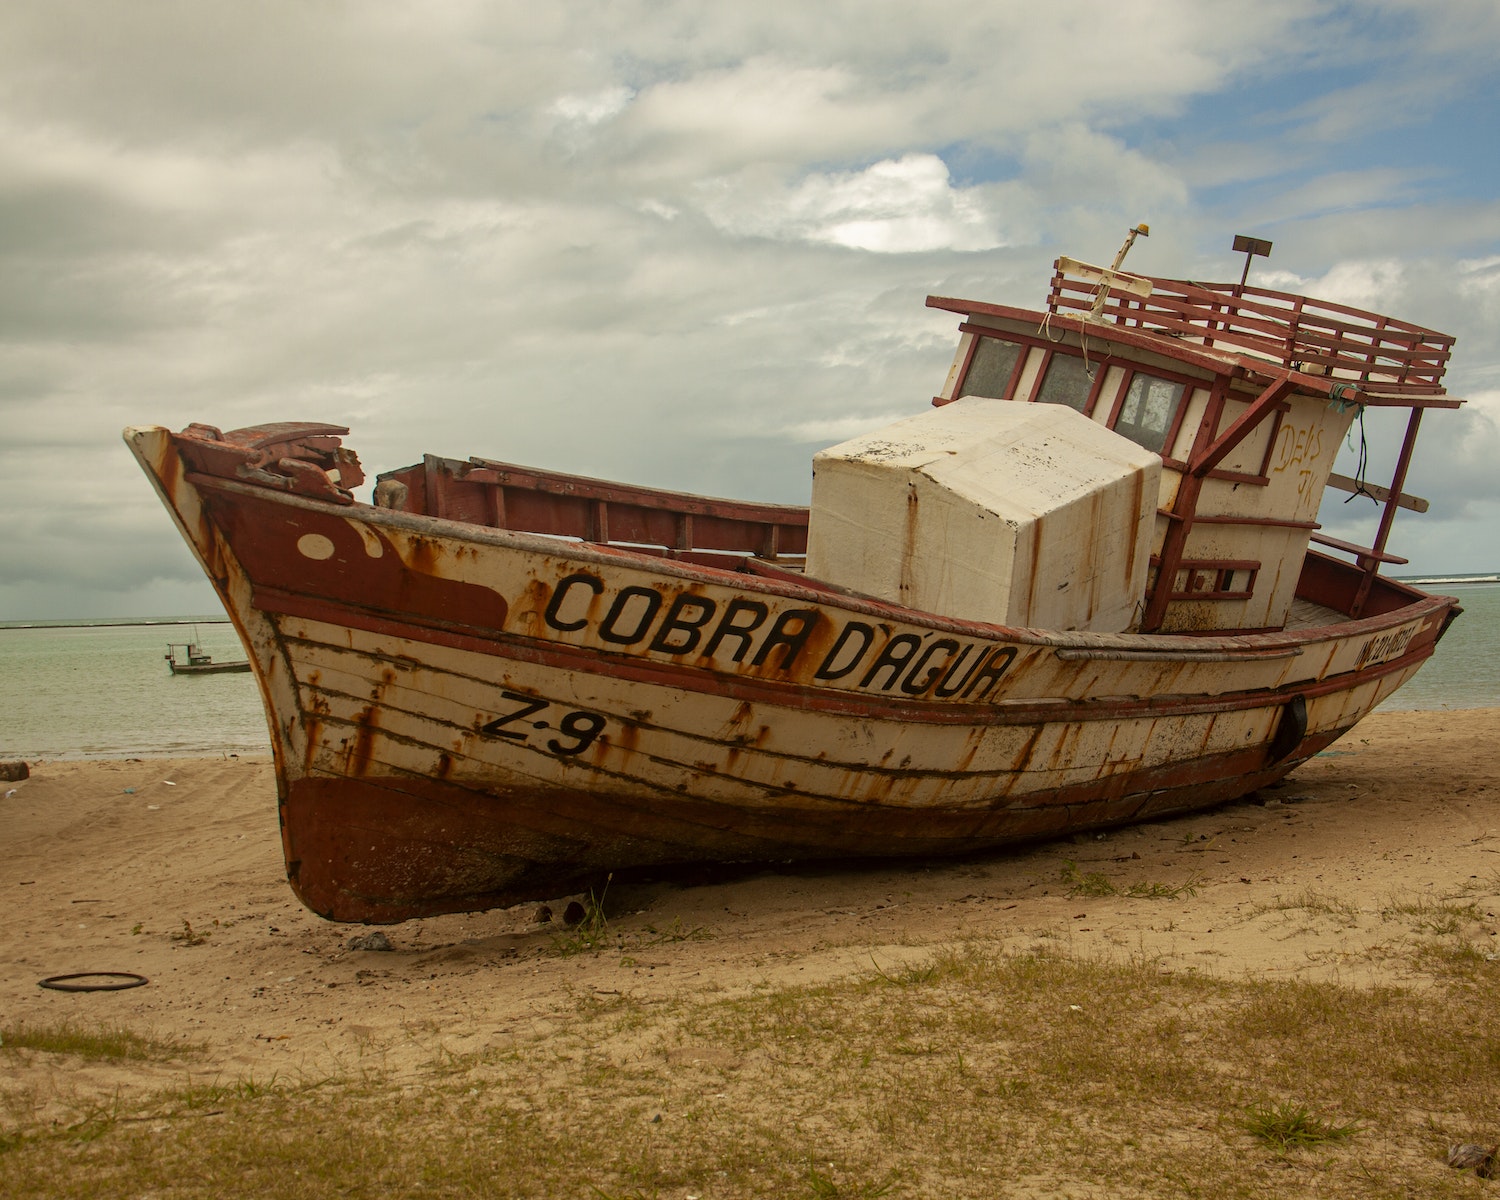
1345 484
1260 408
1364 553
1137 285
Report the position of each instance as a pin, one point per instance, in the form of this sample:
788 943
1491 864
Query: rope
1364 457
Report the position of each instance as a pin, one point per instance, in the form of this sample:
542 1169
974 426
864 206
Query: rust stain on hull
384 849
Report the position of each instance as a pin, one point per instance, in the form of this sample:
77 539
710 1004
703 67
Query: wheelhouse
1245 393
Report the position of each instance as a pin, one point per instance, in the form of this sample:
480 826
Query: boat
195 662
1084 587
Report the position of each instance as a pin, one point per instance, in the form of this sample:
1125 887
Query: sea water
104 690
1464 670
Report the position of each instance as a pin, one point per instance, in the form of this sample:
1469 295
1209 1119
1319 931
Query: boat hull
465 718
225 668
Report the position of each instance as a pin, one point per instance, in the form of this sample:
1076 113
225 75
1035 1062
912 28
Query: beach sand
173 869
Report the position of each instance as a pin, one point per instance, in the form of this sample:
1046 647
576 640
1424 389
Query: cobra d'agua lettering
748 633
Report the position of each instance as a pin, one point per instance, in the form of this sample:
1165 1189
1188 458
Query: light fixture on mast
1250 247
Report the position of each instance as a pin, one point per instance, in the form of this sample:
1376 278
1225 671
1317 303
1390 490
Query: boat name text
1387 645
747 633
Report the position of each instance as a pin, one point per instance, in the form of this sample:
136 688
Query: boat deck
1307 614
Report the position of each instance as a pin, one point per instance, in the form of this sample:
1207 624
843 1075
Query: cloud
891 207
661 241
591 108
1370 284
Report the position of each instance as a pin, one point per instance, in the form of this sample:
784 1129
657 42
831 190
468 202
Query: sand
172 869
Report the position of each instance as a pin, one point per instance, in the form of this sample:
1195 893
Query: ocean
1464 671
103 690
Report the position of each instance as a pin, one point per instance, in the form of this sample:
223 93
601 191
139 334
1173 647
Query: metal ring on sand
110 981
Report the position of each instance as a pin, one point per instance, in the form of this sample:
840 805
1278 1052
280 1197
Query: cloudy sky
683 244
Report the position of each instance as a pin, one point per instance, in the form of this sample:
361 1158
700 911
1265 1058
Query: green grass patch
98 1045
1287 1126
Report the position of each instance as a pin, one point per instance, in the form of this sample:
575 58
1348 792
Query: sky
680 244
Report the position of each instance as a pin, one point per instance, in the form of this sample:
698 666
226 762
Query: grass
675 932
593 934
103 1044
1430 914
1314 903
826 1187
973 1072
188 936
1093 883
1285 1126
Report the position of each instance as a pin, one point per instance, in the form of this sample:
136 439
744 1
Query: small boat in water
195 662
1085 587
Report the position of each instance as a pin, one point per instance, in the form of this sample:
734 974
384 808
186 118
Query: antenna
1250 247
1141 230
1101 295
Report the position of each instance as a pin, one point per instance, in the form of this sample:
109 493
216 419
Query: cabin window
1149 411
990 369
1066 382
1208 579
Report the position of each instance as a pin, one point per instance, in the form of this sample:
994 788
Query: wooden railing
1380 354
646 520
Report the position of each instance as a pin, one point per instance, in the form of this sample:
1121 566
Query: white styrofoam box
1009 512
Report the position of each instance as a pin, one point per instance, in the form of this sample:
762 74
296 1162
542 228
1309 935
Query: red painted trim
1271 437
1279 324
963 370
1220 564
1272 522
1041 374
1207 360
1239 477
1188 385
1096 385
1129 368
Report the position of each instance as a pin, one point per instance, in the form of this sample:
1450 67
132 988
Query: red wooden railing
1380 354
645 520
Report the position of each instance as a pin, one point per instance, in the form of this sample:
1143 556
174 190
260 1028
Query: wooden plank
1345 484
1362 551
1137 285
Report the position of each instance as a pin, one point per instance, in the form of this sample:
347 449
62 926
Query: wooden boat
494 683
195 662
